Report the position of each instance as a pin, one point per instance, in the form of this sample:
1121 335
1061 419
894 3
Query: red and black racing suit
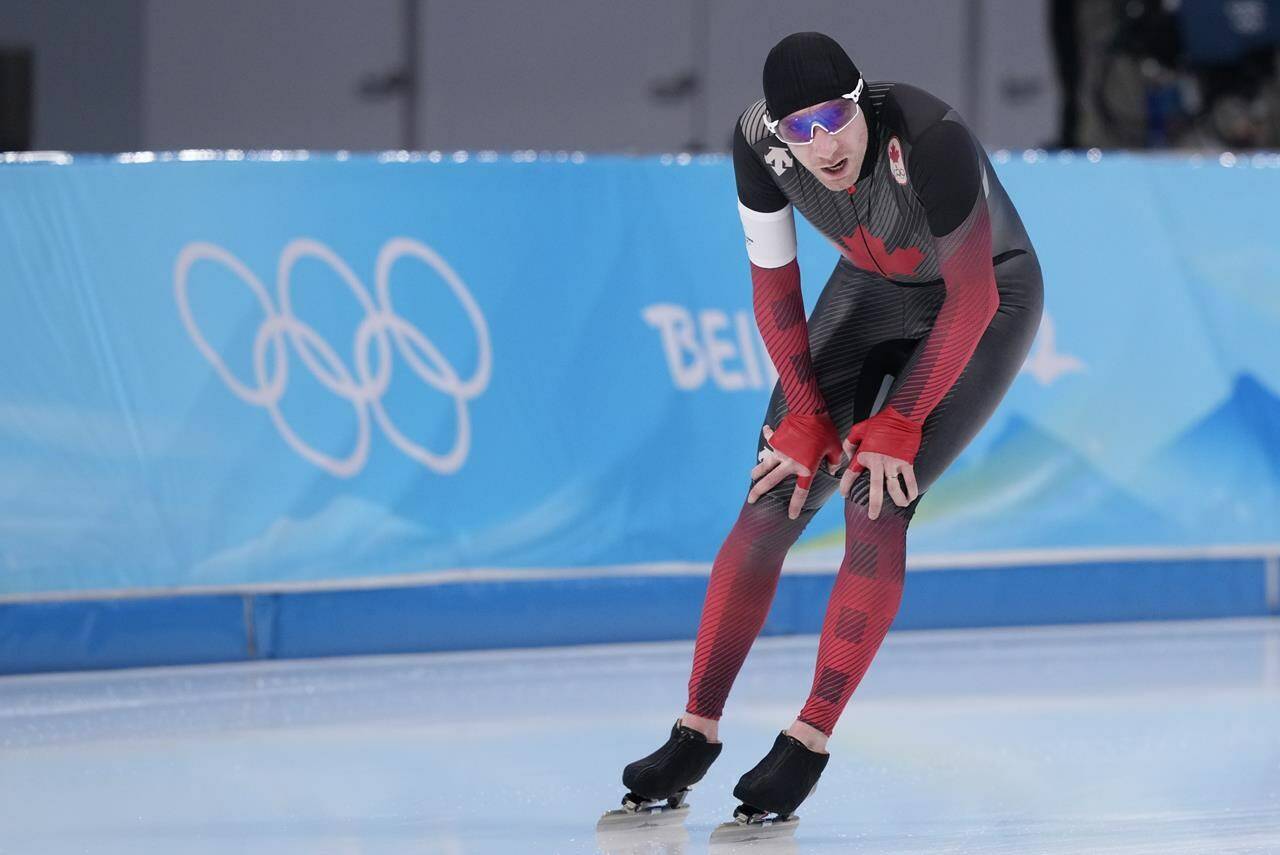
939 289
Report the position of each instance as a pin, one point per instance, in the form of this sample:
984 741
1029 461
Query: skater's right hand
797 447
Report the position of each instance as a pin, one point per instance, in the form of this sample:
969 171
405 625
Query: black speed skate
772 790
658 784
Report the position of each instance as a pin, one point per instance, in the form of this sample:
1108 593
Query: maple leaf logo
896 167
868 252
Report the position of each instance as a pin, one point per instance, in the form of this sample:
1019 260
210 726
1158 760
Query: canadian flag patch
897 165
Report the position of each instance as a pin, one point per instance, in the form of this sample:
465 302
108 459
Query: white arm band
771 238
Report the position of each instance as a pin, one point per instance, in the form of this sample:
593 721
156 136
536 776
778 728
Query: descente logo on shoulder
778 158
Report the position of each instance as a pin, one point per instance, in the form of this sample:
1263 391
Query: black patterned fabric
883 226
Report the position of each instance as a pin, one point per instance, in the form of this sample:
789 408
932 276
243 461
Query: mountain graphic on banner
1220 478
1030 489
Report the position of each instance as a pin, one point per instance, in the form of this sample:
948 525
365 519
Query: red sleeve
946 174
964 256
779 310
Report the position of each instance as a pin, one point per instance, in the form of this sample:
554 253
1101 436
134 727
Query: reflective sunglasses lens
831 115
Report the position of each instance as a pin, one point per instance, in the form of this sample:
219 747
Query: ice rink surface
1134 738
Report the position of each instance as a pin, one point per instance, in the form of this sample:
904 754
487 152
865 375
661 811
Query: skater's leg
864 601
854 328
743 579
868 587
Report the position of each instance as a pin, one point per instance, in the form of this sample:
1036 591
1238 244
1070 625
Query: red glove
807 439
887 432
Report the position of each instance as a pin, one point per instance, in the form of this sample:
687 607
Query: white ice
1134 738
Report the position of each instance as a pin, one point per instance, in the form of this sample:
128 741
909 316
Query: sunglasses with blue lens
832 116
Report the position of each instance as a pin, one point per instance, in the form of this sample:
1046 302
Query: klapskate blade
622 819
643 832
729 833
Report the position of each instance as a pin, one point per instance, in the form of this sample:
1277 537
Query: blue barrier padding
470 616
219 381
1084 593
1066 593
122 633
217 378
476 615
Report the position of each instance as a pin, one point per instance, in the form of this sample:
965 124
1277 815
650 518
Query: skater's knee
876 551
891 515
777 500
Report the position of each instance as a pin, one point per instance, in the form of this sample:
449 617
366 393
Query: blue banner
234 373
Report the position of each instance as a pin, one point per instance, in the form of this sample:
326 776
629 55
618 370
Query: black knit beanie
806 69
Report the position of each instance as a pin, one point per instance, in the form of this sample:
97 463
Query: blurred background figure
1168 73
15 98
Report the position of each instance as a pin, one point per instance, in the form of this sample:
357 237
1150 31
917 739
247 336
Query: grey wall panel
570 74
273 74
87 69
1017 81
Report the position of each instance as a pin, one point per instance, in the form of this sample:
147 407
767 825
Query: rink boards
618 607
278 404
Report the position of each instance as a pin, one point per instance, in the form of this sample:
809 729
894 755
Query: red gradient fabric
808 439
868 252
864 602
887 432
964 257
779 311
743 580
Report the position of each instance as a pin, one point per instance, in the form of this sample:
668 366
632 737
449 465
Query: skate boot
658 784
771 792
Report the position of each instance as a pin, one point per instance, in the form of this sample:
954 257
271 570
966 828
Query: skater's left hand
884 470
885 445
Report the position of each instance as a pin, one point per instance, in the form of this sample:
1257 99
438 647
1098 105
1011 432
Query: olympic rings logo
356 382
